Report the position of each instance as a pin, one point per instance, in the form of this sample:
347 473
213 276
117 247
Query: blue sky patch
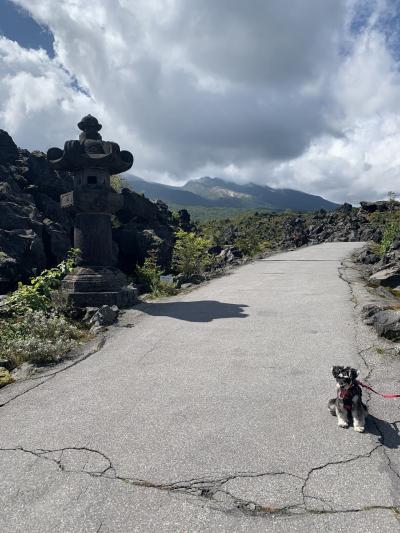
362 15
16 24
389 24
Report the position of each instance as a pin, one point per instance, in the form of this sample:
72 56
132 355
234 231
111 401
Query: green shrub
118 183
149 274
250 242
390 232
5 377
164 288
36 295
37 337
190 255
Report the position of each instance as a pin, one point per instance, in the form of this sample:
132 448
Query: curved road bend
204 412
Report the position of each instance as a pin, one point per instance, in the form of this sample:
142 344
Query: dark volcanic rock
346 224
29 241
387 277
346 208
383 318
104 316
369 311
8 148
215 250
387 324
145 226
368 257
372 207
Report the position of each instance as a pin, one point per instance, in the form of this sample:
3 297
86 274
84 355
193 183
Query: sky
302 94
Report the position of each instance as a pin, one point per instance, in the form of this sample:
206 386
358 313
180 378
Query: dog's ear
354 373
336 370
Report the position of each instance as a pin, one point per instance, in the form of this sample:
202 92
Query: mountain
218 193
166 193
251 195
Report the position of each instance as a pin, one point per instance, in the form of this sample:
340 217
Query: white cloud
37 101
280 92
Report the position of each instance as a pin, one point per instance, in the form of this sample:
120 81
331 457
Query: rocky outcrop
36 233
21 225
382 274
381 206
102 316
142 226
387 277
384 270
385 318
343 225
8 148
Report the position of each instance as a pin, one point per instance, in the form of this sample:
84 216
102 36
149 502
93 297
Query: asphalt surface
207 412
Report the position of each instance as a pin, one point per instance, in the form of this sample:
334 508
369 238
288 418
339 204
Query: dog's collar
347 393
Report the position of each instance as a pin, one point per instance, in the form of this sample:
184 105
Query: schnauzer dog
348 401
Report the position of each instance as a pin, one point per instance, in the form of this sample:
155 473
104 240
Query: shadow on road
388 433
201 311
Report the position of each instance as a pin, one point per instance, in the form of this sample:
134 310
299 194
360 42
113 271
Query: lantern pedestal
97 286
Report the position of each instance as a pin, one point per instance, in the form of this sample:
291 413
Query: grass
39 338
163 289
5 377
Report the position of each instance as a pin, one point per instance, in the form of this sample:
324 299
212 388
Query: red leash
379 393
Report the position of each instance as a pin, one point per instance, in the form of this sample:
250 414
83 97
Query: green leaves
250 242
390 232
36 295
149 274
32 330
117 183
190 256
149 277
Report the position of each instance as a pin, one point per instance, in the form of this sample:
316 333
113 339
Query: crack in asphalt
210 489
148 352
331 463
45 380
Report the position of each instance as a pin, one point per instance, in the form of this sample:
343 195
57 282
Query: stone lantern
95 281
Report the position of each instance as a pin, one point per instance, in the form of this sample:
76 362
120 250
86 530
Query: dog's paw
343 424
359 429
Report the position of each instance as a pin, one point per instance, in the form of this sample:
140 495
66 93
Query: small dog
349 399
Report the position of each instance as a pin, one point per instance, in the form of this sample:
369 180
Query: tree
392 199
190 256
118 183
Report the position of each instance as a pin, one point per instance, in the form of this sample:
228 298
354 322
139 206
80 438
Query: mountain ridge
216 192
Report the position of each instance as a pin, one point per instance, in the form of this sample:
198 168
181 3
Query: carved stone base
124 298
96 286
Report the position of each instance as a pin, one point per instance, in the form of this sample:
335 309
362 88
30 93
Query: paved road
206 412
